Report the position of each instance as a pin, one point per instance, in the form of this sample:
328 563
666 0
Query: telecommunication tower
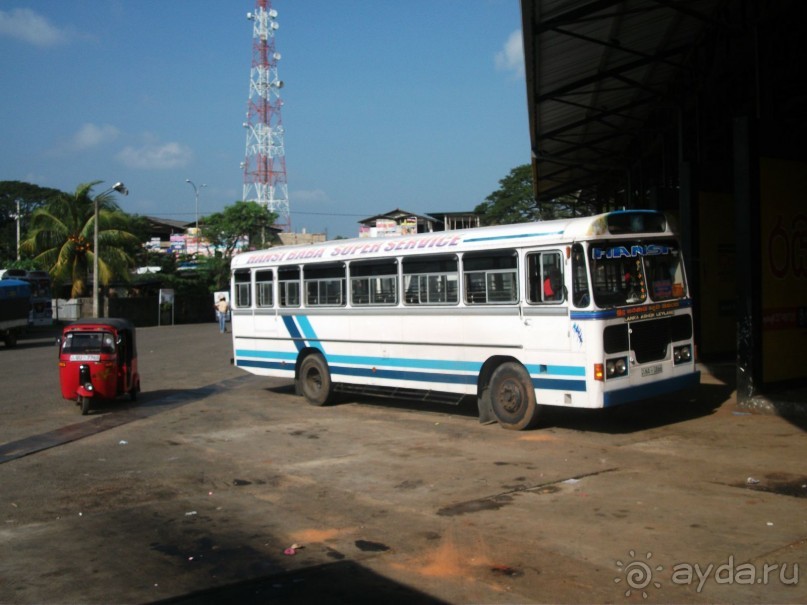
265 161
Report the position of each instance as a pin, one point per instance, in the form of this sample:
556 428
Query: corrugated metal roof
599 74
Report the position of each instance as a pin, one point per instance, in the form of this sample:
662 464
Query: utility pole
19 218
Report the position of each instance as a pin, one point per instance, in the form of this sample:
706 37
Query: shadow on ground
342 582
639 416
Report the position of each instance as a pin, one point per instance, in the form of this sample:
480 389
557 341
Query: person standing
222 308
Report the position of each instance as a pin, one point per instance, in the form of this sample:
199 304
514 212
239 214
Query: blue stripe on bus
432 377
269 365
401 362
520 236
611 313
401 374
559 384
293 332
423 364
584 315
428 377
306 327
266 354
552 370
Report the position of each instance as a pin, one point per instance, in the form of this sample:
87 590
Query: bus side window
288 284
324 284
242 282
545 277
431 280
374 282
263 285
490 277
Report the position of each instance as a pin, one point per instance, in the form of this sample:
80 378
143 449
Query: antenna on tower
264 164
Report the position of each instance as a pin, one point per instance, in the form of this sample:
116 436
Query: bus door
545 314
265 318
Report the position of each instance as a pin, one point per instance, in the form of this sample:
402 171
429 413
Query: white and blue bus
583 312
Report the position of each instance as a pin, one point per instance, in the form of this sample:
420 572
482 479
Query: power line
294 212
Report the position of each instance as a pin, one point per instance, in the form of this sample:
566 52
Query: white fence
66 309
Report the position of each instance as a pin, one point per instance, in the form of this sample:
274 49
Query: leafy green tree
514 202
29 197
226 230
62 234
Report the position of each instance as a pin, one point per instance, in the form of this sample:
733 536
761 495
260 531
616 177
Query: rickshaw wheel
133 393
85 405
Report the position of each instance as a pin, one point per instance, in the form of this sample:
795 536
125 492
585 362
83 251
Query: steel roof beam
604 75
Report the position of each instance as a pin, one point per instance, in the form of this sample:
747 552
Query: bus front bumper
651 389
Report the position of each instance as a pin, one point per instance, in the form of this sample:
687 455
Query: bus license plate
651 370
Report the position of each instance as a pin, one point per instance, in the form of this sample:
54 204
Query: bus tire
315 380
512 397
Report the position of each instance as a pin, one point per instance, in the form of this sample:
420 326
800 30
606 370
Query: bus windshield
631 272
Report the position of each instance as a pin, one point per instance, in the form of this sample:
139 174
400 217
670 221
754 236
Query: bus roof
621 223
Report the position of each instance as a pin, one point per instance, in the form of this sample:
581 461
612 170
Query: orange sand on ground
538 438
450 559
312 536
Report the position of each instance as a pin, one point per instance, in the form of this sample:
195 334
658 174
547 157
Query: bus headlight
615 368
682 354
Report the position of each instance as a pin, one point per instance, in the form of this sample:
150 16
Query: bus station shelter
697 108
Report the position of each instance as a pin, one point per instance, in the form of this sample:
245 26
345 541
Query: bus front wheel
512 397
315 380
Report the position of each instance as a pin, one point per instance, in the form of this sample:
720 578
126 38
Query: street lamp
120 188
196 193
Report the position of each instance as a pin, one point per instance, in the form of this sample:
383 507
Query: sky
419 105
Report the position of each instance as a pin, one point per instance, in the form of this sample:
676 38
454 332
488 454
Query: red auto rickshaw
98 360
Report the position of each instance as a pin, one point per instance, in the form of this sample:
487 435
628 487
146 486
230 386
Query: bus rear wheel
512 397
314 381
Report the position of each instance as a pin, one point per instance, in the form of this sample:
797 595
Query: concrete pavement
194 494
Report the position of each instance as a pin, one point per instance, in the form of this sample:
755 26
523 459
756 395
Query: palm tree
61 237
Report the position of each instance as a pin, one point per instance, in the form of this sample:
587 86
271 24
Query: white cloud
511 57
92 135
28 26
156 156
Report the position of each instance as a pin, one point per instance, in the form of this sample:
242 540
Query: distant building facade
402 222
290 239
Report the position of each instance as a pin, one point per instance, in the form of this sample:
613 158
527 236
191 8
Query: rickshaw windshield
88 342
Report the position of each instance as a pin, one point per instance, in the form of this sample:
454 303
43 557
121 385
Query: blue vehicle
15 307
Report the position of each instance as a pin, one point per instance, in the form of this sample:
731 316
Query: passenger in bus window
552 286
